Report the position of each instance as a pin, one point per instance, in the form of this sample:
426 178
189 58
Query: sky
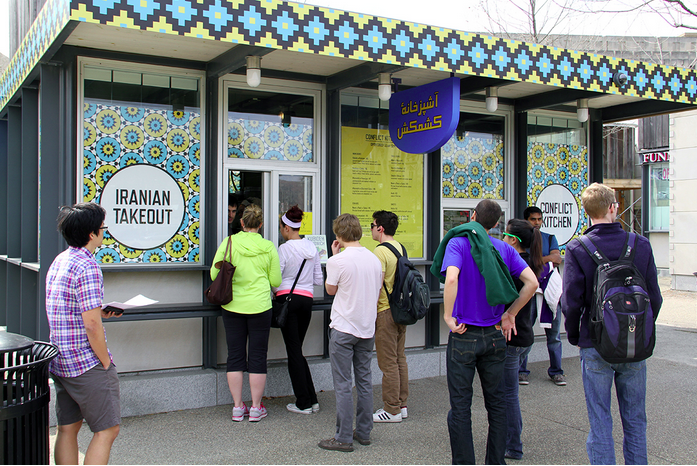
469 15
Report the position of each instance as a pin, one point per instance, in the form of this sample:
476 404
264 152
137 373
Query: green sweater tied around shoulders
500 288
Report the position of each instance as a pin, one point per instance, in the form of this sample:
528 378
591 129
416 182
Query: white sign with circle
560 213
144 206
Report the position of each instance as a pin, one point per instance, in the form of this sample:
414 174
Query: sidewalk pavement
555 424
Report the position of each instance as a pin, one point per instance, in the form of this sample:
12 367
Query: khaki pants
389 343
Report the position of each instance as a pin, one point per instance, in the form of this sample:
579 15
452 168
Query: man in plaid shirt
87 384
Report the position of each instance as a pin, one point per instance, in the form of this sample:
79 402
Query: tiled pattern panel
311 29
472 168
49 23
265 140
116 137
562 164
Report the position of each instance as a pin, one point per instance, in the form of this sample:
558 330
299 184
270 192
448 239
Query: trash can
25 397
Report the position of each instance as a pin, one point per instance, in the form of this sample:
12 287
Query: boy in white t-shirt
354 276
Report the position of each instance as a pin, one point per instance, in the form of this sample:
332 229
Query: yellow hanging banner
376 175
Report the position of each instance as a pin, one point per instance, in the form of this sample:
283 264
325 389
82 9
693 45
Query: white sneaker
292 407
383 416
315 408
257 414
405 414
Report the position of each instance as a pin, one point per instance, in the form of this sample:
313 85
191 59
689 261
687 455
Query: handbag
280 309
220 291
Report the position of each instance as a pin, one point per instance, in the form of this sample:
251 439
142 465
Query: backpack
410 298
621 320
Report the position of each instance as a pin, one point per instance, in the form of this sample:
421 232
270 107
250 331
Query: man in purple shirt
476 340
597 374
87 385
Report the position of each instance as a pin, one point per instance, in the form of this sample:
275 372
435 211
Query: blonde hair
347 227
597 199
252 216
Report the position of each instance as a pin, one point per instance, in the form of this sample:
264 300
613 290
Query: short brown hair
347 227
252 216
488 213
596 200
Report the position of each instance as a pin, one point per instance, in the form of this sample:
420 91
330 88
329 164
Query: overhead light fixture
384 86
582 110
253 70
492 99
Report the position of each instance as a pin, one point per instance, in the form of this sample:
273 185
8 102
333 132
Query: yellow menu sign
375 175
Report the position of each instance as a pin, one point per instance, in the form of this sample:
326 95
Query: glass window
557 158
266 125
141 162
659 203
473 159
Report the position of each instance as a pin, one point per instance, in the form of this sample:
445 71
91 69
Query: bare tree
528 20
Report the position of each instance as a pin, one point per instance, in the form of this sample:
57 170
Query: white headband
290 223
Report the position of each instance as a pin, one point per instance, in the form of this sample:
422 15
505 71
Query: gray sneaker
332 444
559 379
523 379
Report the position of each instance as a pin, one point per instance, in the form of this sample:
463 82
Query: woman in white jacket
291 255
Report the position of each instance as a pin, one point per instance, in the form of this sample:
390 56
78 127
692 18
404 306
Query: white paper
320 242
135 301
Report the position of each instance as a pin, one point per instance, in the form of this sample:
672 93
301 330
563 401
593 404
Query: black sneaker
523 378
362 441
332 444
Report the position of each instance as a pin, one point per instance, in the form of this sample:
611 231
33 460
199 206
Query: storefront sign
422 119
560 212
144 206
656 157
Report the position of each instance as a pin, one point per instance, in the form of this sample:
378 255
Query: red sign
656 157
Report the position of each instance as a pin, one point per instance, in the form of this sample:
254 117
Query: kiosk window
142 162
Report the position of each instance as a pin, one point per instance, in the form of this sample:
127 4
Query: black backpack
621 320
410 298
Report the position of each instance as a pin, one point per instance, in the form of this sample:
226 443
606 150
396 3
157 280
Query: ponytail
536 252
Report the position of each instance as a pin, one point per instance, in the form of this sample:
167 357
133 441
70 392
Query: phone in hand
116 310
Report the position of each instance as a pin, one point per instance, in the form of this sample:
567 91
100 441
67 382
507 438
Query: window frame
115 65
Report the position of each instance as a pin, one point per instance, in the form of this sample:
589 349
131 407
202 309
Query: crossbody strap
296 280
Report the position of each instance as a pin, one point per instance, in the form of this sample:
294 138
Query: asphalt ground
555 424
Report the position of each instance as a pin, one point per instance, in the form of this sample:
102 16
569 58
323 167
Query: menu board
375 175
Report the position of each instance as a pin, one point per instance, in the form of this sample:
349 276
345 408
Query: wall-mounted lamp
620 79
582 110
253 70
384 86
492 99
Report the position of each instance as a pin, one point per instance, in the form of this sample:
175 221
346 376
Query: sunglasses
372 225
513 236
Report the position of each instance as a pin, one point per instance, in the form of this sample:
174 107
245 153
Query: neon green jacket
257 270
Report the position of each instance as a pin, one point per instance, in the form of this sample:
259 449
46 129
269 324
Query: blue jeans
482 349
630 384
514 356
553 343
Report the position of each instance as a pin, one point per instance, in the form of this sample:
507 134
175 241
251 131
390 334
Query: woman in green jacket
247 318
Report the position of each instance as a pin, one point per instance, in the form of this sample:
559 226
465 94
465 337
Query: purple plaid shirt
74 284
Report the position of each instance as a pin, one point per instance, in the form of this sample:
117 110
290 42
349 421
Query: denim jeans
553 343
514 356
630 384
482 349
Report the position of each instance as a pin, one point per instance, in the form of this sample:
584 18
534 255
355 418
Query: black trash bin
25 397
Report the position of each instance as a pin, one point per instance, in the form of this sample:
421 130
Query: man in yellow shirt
389 336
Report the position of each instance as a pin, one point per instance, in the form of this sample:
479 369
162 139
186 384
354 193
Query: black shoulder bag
280 309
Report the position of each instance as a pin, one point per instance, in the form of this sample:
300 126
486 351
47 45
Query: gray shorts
92 396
